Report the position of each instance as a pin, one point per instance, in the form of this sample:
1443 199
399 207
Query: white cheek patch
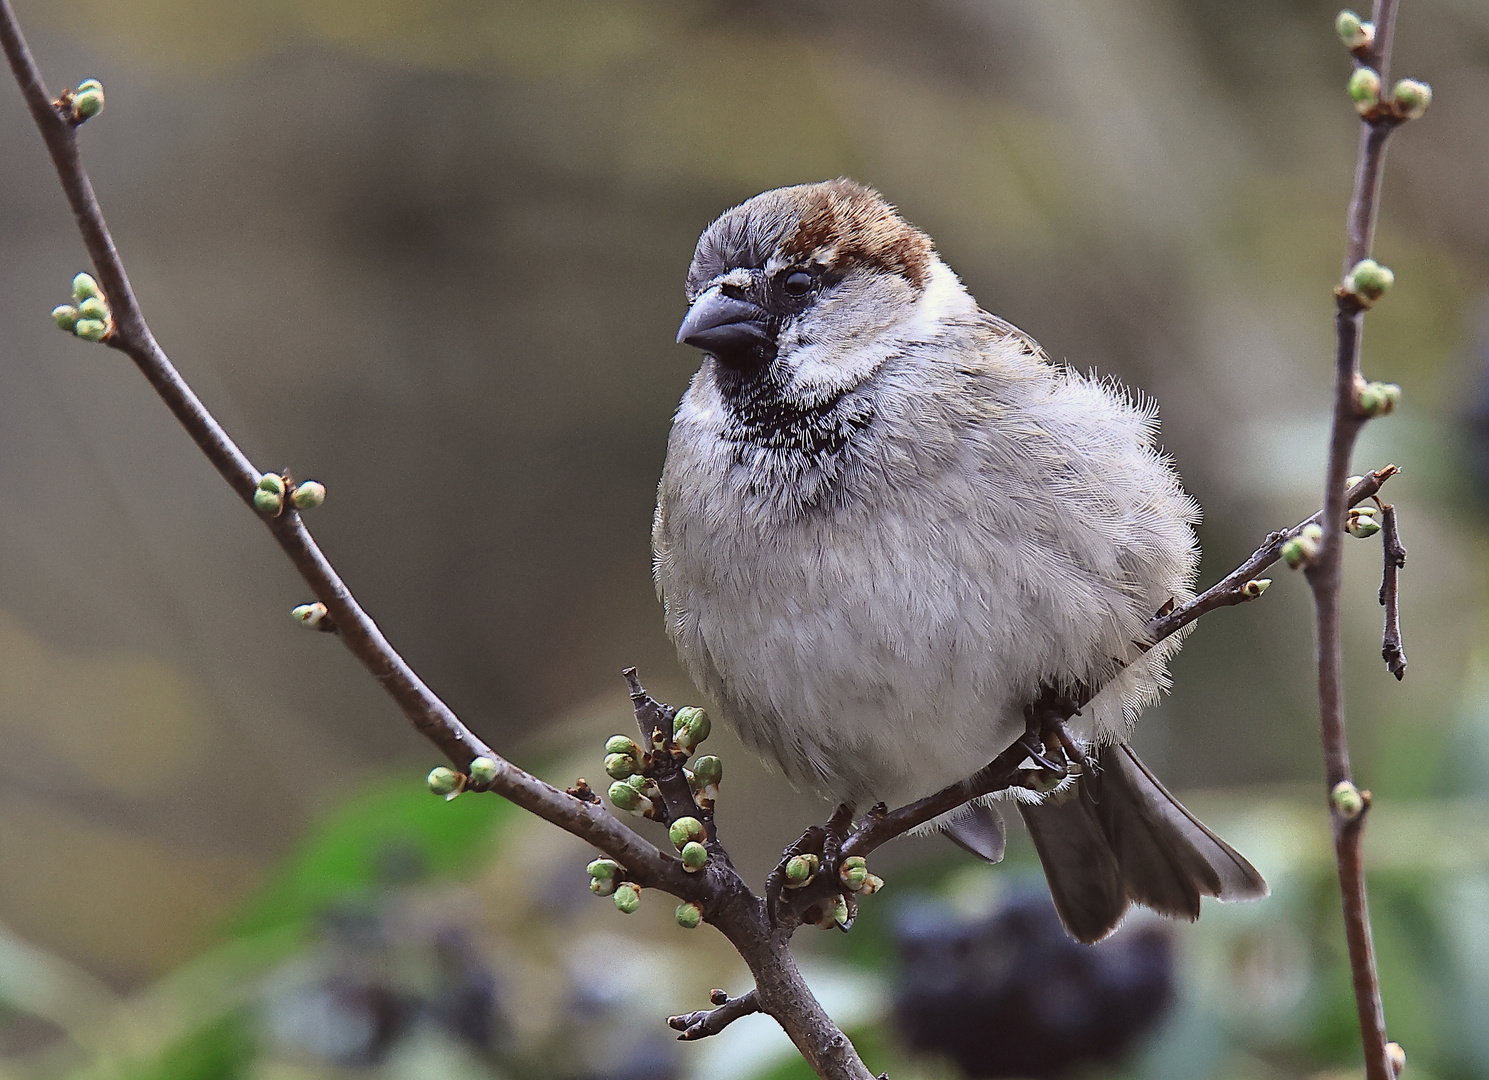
943 296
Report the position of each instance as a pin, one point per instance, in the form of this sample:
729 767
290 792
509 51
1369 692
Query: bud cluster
855 876
1367 281
1357 34
1302 550
88 316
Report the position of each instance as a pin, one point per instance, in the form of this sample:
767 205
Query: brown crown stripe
851 223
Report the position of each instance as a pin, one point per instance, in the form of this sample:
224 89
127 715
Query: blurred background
430 252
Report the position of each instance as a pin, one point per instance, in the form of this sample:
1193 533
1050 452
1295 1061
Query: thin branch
1326 574
1391 649
702 1024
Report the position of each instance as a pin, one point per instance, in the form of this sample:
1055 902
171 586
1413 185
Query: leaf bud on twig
91 329
1255 587
87 100
267 502
1396 1056
446 782
685 830
66 317
1364 89
83 287
689 728
620 766
871 884
1303 548
1411 98
602 886
1369 281
624 797
854 872
309 615
483 770
1379 399
628 898
1355 32
308 495
800 869
709 771
689 916
94 308
1361 526
694 857
1347 800
603 868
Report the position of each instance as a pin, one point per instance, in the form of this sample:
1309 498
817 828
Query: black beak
736 331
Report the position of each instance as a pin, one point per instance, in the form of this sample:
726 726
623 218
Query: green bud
685 830
854 872
1396 1057
1255 587
1364 89
1379 399
1354 31
83 287
1369 279
800 869
1361 527
709 771
309 615
624 797
91 329
603 868
483 770
602 886
620 766
871 885
638 783
94 308
689 916
1303 548
267 502
66 317
1347 800
622 744
1351 481
838 913
690 727
628 897
308 495
694 857
88 103
446 782
1411 98
272 483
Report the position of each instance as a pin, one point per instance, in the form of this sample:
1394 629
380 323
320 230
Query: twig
1391 649
702 1024
1326 573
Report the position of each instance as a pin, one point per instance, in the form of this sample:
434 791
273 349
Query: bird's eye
798 283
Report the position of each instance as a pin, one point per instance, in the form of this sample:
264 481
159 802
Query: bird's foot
1045 739
813 883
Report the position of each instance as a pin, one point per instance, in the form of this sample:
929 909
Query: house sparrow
888 523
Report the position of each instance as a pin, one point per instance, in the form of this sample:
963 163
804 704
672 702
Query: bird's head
806 280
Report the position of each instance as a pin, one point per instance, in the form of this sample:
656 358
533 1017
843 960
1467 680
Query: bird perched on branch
890 526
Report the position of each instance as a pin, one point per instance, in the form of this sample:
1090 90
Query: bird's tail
1117 837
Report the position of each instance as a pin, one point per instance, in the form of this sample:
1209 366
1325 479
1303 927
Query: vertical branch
1325 574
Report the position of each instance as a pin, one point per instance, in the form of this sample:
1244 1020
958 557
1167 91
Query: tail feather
1119 838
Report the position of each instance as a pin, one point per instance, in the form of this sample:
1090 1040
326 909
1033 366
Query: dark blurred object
1012 995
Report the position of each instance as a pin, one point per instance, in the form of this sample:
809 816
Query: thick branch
1326 574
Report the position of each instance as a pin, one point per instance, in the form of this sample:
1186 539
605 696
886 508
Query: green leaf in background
223 1049
393 831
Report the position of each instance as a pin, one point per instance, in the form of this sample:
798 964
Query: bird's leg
1033 739
1045 731
814 860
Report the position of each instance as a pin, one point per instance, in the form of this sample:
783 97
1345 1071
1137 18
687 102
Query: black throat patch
763 415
